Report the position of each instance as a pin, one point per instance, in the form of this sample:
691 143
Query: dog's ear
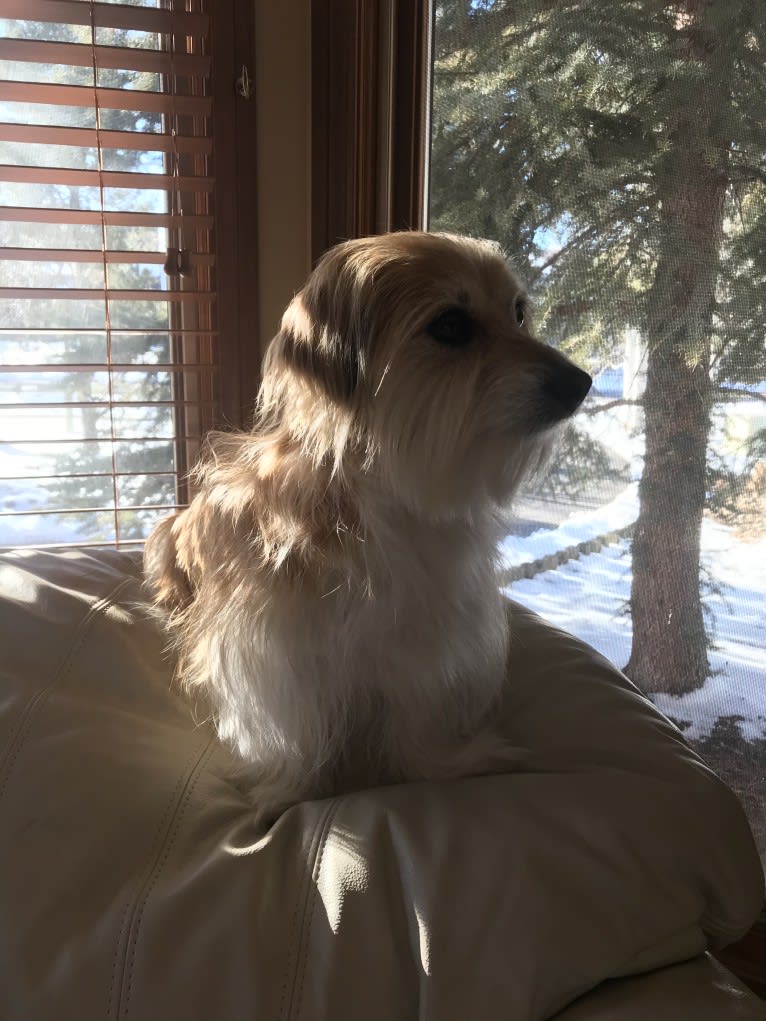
322 332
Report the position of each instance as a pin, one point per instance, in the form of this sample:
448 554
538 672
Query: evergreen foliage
618 153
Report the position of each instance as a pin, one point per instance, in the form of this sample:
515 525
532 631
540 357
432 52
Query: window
617 155
108 329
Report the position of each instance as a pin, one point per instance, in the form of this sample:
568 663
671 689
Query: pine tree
634 134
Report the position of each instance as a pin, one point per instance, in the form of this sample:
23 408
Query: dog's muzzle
564 389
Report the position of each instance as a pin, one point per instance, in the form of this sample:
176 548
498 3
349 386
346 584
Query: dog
332 586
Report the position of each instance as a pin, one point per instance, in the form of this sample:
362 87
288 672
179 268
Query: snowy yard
588 596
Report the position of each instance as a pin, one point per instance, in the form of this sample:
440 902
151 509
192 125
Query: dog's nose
567 388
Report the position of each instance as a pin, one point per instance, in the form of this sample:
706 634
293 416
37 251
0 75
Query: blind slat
89 138
137 19
108 178
58 441
88 475
85 475
103 405
123 544
95 293
94 331
124 58
54 94
110 218
84 255
97 509
149 367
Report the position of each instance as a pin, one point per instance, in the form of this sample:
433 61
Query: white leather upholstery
134 885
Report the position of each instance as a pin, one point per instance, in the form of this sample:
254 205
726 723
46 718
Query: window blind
107 275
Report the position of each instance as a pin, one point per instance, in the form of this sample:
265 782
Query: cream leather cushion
133 883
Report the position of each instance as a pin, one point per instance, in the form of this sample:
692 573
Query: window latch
178 262
244 84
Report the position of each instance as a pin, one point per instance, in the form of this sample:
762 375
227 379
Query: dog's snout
566 388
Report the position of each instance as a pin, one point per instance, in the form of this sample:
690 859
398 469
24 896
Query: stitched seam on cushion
299 914
293 948
314 896
141 880
709 923
179 805
403 883
21 733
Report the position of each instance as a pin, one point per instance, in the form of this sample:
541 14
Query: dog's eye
520 311
453 327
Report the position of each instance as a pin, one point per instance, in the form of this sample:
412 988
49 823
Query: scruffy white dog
332 585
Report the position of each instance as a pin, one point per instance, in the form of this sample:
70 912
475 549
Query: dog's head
415 350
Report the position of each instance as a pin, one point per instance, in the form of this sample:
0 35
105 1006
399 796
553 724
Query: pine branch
732 392
622 402
740 174
589 232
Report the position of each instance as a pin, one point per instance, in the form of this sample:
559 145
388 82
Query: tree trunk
669 651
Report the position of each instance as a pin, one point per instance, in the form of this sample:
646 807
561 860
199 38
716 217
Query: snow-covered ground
588 596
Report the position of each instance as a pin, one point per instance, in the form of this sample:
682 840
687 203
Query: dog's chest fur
399 639
423 612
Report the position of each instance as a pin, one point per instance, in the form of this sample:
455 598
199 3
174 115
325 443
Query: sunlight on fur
331 588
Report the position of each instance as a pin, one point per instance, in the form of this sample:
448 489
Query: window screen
617 153
106 265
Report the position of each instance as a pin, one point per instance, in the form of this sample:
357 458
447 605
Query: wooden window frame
234 145
369 105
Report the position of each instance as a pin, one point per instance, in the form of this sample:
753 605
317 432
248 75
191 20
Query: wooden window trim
234 146
370 90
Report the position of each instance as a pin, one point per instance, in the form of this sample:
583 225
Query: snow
578 527
589 597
